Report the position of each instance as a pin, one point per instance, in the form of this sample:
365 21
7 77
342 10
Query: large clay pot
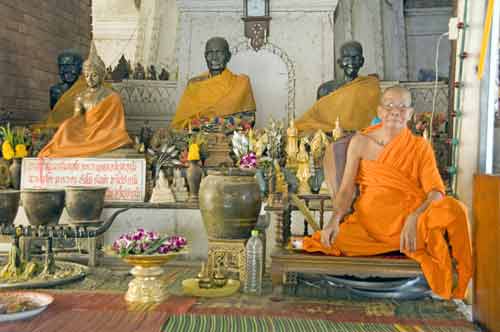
230 203
43 206
85 203
9 204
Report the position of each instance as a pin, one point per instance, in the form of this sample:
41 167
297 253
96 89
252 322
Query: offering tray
29 304
190 287
66 272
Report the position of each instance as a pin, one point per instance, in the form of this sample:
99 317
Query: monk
354 100
402 203
98 123
217 93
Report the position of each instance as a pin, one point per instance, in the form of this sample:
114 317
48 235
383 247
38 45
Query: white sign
125 178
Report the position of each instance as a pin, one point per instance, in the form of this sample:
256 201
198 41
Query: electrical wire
436 81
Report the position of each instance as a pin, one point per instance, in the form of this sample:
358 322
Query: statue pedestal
230 254
218 150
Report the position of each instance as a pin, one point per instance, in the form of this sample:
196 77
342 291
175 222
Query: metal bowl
85 203
9 204
43 206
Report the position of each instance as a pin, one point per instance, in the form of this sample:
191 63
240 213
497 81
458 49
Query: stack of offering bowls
9 204
43 206
85 204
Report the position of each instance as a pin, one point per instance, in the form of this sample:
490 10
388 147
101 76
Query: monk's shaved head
397 91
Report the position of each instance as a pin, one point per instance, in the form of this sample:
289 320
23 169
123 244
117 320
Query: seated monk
217 93
98 123
354 100
402 203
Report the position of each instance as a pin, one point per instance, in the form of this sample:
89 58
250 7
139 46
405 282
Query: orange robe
216 96
99 130
391 188
355 103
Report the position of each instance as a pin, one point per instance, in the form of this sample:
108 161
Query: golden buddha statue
318 144
303 169
98 122
337 132
291 144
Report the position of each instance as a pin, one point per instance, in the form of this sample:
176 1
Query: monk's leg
433 254
352 240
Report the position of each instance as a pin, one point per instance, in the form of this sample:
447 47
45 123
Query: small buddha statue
179 186
139 73
162 192
164 75
152 73
122 70
337 132
318 144
291 145
303 169
281 185
98 122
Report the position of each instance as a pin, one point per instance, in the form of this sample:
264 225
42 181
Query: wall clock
256 18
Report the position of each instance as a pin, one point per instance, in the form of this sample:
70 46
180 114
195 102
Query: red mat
96 312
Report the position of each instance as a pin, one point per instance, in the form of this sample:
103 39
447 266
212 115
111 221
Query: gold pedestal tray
190 287
147 287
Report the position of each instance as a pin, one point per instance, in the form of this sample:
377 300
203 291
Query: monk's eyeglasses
392 106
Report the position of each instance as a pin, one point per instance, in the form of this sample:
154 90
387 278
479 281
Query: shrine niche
272 72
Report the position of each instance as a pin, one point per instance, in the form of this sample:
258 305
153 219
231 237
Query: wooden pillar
486 249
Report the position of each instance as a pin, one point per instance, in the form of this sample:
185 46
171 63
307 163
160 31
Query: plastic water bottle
254 250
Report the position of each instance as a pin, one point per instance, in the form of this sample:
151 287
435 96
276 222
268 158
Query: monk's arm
432 196
345 196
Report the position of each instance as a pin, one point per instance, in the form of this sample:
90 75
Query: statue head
351 59
94 69
217 55
70 66
395 107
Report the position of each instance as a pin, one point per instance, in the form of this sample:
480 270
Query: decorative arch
244 45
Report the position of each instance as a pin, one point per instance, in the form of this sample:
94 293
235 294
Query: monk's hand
408 240
329 233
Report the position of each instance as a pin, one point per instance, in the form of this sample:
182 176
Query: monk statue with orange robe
401 203
98 123
217 94
353 100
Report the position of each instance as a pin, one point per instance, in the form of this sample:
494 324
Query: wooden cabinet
486 251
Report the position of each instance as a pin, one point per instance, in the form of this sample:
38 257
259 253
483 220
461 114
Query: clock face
256 7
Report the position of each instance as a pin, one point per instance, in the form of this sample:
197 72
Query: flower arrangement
15 142
142 242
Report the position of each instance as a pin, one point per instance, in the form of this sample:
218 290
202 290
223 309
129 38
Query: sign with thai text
124 178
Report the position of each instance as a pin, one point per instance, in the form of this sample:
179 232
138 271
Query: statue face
70 67
217 55
351 60
93 77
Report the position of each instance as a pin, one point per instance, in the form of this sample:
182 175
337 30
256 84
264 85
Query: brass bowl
146 261
84 203
43 206
9 204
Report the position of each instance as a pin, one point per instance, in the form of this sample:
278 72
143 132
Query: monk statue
402 203
217 93
354 100
98 123
62 94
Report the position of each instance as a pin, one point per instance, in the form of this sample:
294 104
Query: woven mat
213 323
97 312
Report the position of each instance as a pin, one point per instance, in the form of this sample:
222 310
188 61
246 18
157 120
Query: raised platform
287 262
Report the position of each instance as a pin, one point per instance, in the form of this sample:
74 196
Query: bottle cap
255 232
